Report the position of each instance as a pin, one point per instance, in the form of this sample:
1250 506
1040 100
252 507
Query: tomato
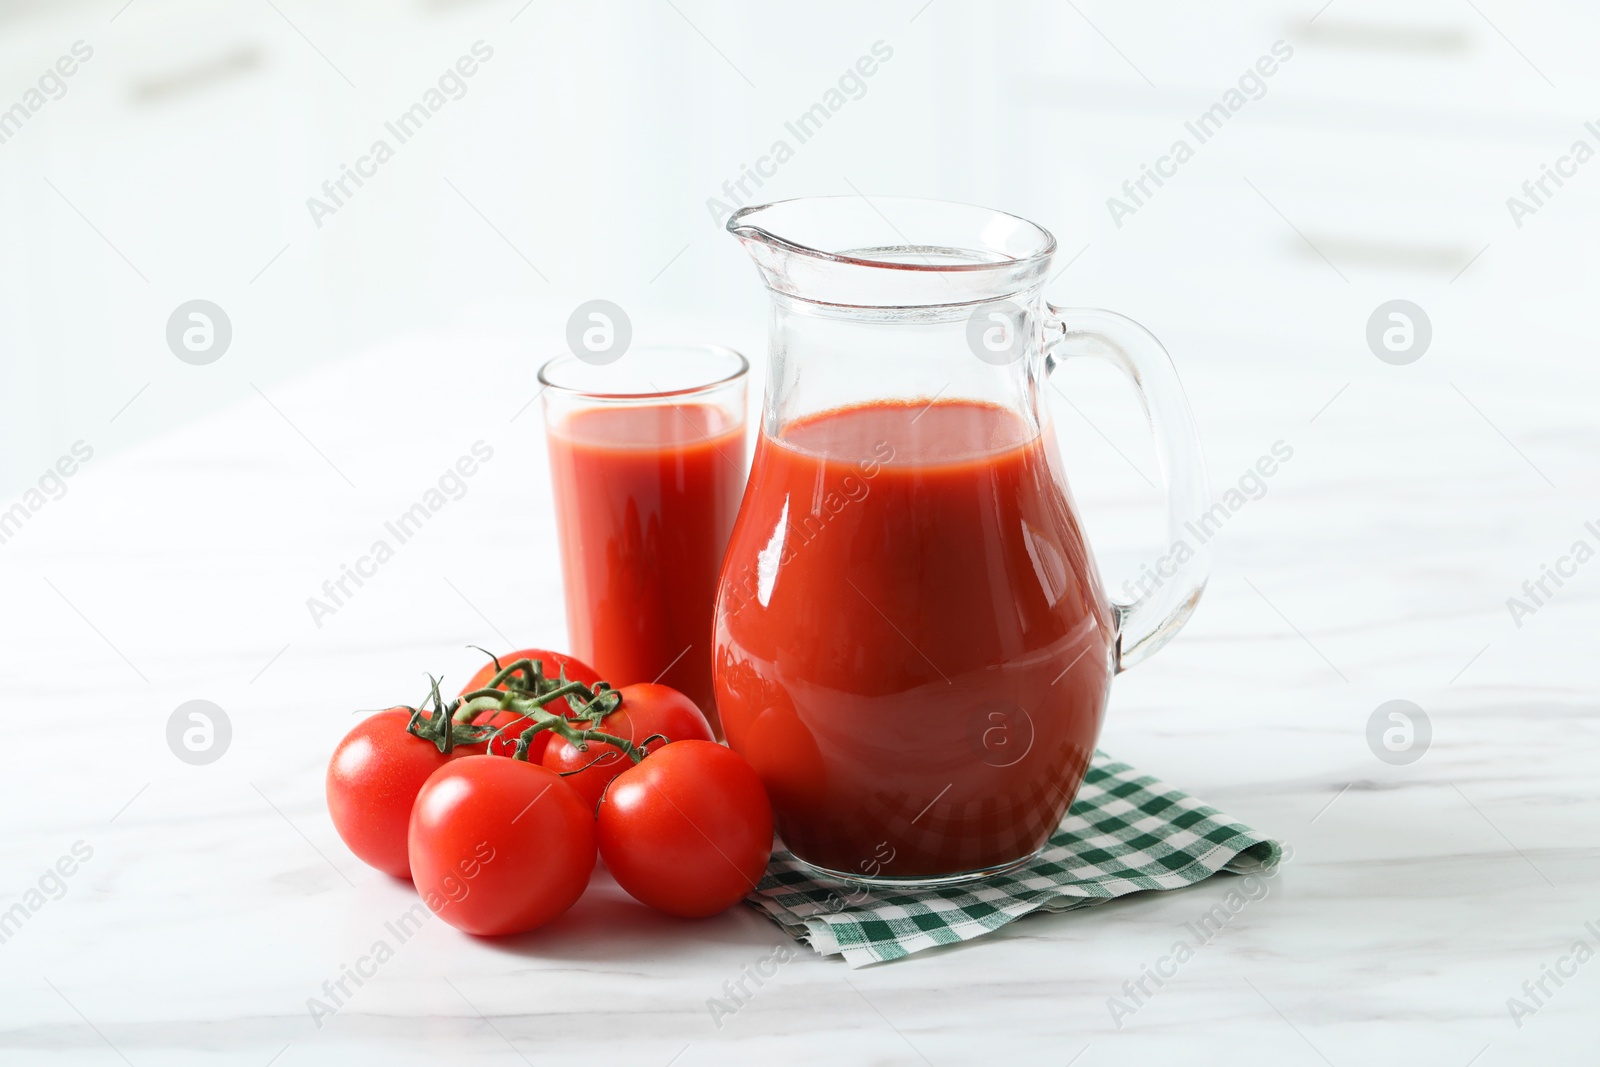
646 710
499 846
373 778
687 831
550 663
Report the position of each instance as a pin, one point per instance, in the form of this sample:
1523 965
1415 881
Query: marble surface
216 900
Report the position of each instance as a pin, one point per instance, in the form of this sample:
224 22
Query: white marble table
218 899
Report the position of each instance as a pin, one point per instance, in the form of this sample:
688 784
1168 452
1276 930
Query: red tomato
551 663
499 846
646 710
373 778
688 831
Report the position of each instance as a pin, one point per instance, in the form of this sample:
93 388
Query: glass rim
1044 247
741 367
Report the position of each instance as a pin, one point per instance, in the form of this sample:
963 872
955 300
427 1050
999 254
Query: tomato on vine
688 830
649 716
373 778
516 673
499 846
552 665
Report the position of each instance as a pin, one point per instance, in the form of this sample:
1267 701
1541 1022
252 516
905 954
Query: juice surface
912 645
646 497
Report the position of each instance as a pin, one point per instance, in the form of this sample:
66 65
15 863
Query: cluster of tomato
496 803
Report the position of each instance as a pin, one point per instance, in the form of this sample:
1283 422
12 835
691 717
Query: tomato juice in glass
919 657
647 459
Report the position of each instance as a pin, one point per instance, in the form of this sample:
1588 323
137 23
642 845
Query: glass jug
911 643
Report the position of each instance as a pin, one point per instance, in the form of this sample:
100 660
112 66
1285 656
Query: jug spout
852 251
745 223
773 254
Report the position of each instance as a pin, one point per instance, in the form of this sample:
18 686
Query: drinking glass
647 457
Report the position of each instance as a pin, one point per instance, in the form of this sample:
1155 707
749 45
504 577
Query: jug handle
1154 618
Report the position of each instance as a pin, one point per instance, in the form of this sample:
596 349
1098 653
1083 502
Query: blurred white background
579 161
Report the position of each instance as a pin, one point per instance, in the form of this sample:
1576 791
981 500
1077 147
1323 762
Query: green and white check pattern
1125 833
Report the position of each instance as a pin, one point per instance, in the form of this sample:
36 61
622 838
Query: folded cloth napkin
1126 832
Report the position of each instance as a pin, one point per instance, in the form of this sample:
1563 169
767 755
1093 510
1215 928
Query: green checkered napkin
1125 832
